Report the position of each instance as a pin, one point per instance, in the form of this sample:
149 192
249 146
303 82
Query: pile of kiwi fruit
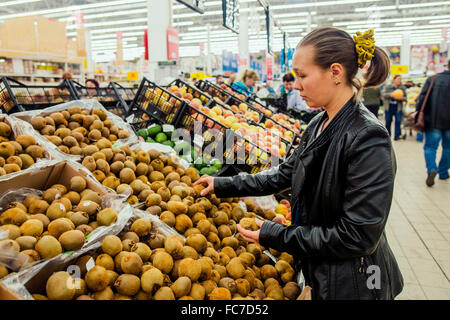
44 226
142 264
78 131
17 153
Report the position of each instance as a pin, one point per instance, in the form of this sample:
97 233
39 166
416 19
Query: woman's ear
337 72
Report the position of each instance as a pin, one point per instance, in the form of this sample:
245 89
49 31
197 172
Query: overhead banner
172 44
399 69
230 62
146 44
230 9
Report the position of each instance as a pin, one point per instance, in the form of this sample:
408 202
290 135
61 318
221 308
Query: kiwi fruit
26 242
141 227
51 195
213 238
181 287
77 184
72 240
190 268
204 226
107 217
7 150
15 216
86 229
88 206
97 278
90 195
32 227
27 160
95 135
174 246
235 268
102 165
268 271
104 143
156 176
156 241
10 168
14 160
14 231
73 196
48 247
116 167
152 280
291 290
198 242
131 263
130 235
111 245
104 295
127 175
156 211
177 207
128 284
153 200
163 261
106 261
60 286
5 129
56 211
182 223
142 250
57 227
138 186
127 244
229 284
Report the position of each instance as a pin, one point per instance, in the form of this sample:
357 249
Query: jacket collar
329 131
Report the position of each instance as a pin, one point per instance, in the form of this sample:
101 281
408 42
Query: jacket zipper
363 269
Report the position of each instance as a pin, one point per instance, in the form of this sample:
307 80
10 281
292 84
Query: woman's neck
338 102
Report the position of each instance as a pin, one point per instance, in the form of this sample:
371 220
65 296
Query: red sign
172 44
146 44
79 19
269 61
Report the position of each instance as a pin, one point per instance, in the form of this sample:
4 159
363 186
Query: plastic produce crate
157 103
127 94
107 96
196 93
18 97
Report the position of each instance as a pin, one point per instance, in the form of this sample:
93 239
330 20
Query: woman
341 175
247 82
91 87
393 106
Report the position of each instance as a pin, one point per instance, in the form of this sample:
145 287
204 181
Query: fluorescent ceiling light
404 6
293 15
16 2
364 22
113 35
440 21
71 8
108 14
399 24
109 23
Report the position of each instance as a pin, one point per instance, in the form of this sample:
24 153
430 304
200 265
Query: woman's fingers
250 236
207 190
201 181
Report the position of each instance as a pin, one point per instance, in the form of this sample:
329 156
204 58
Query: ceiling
423 20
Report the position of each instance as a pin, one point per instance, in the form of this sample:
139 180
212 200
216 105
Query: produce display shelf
230 99
196 93
254 157
107 96
127 94
18 97
157 103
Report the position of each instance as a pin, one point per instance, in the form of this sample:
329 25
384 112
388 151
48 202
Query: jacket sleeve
423 93
387 91
366 204
264 183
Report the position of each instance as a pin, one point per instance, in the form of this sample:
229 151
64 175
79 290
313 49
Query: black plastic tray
18 97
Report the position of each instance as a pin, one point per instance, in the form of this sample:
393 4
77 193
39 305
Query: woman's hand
250 236
208 183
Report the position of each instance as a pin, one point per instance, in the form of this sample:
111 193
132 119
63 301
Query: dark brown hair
250 74
337 46
288 77
95 82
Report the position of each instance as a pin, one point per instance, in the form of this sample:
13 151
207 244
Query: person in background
67 76
294 102
219 79
393 106
247 82
437 125
232 79
372 99
92 85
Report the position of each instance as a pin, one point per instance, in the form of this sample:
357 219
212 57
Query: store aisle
418 229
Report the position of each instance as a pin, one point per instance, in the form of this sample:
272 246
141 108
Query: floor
418 228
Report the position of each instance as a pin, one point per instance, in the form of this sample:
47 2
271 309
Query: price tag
168 128
199 140
90 264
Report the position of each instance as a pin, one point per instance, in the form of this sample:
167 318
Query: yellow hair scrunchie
365 47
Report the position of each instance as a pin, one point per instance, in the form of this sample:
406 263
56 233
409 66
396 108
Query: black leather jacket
342 186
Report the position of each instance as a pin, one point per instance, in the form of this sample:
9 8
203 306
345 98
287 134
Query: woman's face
250 82
316 86
397 81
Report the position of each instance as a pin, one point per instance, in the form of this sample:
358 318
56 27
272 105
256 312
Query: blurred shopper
372 99
92 85
232 79
268 87
341 176
219 79
247 82
67 76
394 101
293 101
437 124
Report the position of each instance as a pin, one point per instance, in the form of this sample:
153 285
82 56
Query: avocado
168 143
200 163
143 133
150 140
216 164
154 129
161 137
208 171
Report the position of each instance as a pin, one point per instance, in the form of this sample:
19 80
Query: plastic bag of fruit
39 120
